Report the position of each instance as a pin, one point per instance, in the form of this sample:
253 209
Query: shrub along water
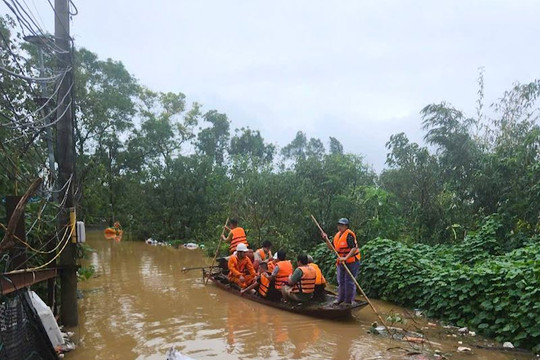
497 295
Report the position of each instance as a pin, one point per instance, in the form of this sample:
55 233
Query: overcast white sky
356 70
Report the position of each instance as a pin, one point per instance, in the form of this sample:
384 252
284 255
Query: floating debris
67 346
397 333
191 246
173 354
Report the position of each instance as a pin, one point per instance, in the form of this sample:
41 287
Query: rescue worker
282 270
349 255
301 284
320 281
261 283
236 236
241 271
263 254
272 263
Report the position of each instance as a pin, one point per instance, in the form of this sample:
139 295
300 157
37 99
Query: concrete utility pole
66 166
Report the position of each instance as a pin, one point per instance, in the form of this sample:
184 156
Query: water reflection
261 332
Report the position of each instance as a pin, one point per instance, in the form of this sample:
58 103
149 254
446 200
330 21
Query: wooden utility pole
66 166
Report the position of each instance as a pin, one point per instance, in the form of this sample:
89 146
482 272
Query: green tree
335 146
413 178
106 94
247 142
213 141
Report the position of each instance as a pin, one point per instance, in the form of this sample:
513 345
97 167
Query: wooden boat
325 309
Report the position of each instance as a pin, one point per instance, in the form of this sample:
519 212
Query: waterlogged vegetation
451 227
497 296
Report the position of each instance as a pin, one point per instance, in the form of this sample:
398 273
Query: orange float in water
113 232
110 231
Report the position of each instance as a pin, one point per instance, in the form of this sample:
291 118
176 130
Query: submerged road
140 303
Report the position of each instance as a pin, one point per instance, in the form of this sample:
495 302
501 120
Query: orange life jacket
271 266
262 254
244 266
306 285
340 243
285 269
264 285
319 279
238 236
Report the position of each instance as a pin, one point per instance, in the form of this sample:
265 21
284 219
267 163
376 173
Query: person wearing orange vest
241 271
320 281
282 270
263 254
236 236
301 284
261 283
349 255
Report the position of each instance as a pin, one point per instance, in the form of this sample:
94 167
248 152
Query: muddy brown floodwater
140 303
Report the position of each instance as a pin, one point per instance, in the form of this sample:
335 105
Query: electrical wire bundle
31 75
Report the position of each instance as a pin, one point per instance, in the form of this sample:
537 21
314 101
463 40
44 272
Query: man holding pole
236 236
349 256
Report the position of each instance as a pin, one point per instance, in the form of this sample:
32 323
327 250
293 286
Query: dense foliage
463 210
497 295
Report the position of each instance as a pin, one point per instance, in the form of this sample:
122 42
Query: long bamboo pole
217 250
184 269
353 278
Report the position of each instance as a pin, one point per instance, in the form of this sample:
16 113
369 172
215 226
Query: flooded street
140 303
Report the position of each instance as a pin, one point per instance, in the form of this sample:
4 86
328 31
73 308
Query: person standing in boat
349 255
236 236
263 254
301 284
241 271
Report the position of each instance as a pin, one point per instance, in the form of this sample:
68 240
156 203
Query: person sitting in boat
263 254
241 271
282 269
320 281
236 236
262 283
301 284
272 263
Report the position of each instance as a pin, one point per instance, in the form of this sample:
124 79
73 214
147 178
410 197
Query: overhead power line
51 78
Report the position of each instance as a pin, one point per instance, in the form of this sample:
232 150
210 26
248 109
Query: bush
499 296
85 273
326 260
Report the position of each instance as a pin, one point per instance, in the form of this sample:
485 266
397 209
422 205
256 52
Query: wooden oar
217 249
352 277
